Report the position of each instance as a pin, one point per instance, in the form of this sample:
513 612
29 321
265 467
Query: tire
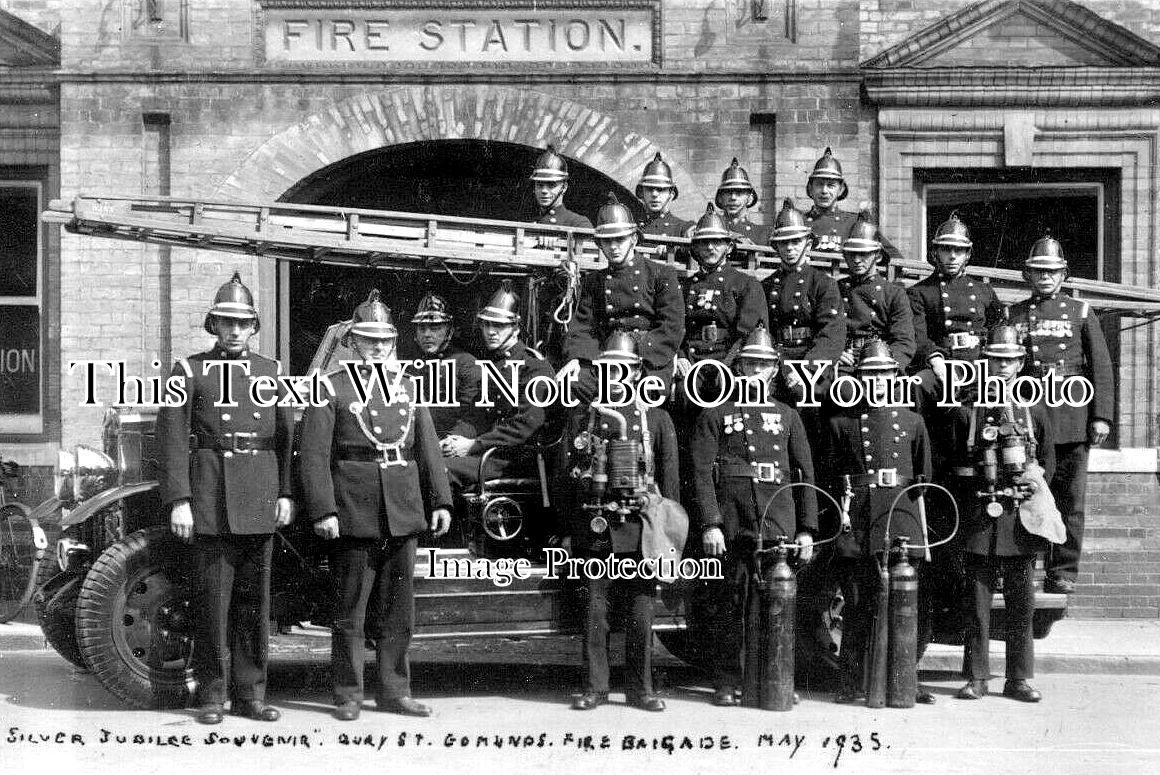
56 607
19 563
133 620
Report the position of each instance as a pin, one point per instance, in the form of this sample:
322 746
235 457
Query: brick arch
447 112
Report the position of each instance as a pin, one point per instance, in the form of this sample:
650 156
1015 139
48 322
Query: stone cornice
1009 87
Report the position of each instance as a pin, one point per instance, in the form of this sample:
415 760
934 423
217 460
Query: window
21 299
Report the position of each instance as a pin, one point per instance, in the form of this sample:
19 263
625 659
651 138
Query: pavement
1083 646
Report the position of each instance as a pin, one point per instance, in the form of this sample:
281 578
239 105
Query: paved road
55 719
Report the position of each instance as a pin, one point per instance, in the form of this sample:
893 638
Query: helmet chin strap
389 360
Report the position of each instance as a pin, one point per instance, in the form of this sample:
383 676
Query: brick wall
1119 574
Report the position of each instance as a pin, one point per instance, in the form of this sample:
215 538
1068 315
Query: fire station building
1022 115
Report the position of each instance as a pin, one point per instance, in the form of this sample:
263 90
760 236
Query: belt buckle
887 477
766 472
709 333
963 340
391 456
234 437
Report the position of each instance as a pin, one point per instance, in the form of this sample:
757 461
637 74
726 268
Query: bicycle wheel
21 550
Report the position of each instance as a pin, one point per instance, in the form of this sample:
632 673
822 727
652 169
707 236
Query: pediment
24 45
1020 33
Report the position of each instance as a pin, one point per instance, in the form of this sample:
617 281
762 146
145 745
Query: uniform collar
871 276
514 350
629 263
701 274
221 355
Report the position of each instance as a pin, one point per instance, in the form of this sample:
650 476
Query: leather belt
961 340
795 336
367 455
884 478
858 342
232 442
706 334
758 472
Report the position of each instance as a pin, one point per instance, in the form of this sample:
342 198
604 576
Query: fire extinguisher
902 677
876 666
769 661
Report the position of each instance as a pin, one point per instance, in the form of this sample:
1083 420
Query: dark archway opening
471 178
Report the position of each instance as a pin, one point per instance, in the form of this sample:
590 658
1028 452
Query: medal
598 524
994 509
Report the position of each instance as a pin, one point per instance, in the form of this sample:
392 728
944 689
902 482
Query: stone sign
588 33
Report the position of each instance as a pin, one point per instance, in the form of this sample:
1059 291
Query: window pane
18 230
19 360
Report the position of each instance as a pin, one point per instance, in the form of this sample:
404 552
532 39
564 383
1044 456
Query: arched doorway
473 178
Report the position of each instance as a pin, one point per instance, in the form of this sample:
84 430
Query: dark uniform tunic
1064 334
952 317
722 307
741 456
881 450
382 499
505 424
559 215
665 225
625 541
231 463
757 233
456 419
641 297
832 228
996 545
806 318
878 309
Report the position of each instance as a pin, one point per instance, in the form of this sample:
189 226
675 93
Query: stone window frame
32 424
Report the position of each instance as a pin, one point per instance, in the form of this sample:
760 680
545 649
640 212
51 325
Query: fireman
632 294
434 335
876 451
805 306
608 522
225 478
549 184
736 196
373 480
951 311
992 479
722 303
876 309
1064 335
826 187
657 191
741 457
503 424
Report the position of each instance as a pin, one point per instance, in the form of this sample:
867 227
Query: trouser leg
352 579
395 590
1019 598
211 653
858 580
727 619
638 637
250 616
977 610
595 653
1069 486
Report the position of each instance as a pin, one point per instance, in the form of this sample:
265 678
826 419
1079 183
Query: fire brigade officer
503 424
226 479
991 480
951 311
597 533
657 191
876 451
805 306
826 187
549 183
736 196
1064 334
722 303
435 335
876 309
632 294
371 473
741 456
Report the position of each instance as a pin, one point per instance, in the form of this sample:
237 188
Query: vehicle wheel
18 560
56 610
133 619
